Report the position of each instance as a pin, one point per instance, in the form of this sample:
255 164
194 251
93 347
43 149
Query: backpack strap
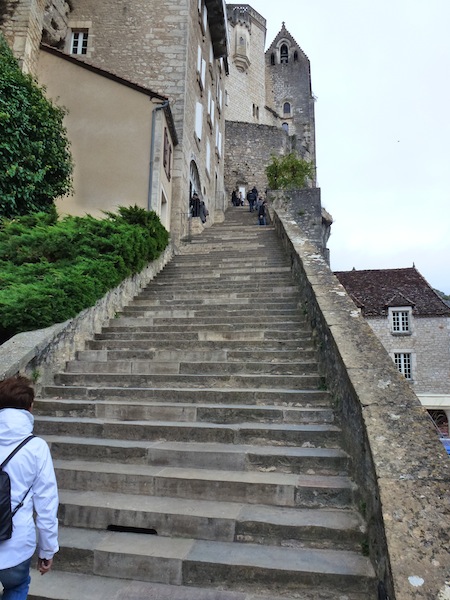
16 449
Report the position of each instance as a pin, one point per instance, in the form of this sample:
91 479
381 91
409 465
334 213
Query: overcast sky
381 75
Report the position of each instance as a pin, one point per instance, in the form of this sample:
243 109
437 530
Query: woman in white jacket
30 469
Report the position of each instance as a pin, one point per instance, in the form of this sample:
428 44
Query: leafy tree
289 172
35 160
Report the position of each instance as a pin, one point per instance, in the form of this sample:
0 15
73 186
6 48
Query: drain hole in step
124 529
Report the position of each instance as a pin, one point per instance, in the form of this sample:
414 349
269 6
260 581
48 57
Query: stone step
207 271
283 397
229 345
237 283
185 561
212 314
218 301
203 356
251 487
219 520
189 368
239 380
221 457
185 412
208 334
288 434
144 323
290 292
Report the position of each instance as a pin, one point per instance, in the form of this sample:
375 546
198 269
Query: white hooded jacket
31 467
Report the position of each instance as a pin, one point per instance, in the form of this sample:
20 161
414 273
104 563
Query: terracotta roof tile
375 290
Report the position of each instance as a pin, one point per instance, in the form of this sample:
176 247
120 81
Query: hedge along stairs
196 450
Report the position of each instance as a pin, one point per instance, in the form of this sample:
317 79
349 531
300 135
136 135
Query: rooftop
375 290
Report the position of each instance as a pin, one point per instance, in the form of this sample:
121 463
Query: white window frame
400 320
404 362
205 19
199 120
79 41
208 157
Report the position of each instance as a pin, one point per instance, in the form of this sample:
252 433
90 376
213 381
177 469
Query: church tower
289 93
269 103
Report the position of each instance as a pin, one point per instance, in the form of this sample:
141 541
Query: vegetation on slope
50 270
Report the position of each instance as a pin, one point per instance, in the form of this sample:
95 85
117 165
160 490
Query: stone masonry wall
291 83
22 24
400 466
429 345
25 23
246 90
249 151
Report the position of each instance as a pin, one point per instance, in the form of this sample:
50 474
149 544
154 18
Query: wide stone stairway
196 449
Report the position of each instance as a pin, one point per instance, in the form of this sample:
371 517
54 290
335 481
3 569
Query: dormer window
400 320
284 54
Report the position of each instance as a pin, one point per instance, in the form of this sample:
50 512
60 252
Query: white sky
381 75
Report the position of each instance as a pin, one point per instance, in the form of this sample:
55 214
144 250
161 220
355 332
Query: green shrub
289 172
51 270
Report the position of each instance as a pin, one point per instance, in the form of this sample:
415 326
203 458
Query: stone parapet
39 354
403 471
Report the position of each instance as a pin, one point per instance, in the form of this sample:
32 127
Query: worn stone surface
402 465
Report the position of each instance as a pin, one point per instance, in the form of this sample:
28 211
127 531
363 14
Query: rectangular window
205 19
403 363
208 157
203 73
198 120
79 42
167 155
400 321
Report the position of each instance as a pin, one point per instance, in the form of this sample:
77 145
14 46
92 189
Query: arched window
284 54
295 56
286 108
272 59
285 126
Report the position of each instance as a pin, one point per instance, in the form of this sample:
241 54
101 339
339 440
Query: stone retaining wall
401 467
39 354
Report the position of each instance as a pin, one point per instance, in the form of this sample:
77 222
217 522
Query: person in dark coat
195 205
262 213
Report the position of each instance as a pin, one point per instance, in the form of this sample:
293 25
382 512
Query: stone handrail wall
400 466
39 354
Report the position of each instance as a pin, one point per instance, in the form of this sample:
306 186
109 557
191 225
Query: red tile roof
375 290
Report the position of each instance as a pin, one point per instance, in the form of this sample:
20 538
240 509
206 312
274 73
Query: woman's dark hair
16 392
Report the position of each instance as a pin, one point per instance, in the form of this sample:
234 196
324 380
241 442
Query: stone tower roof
284 35
375 290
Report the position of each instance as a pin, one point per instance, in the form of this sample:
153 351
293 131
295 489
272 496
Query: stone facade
116 131
168 47
270 106
175 49
289 79
249 150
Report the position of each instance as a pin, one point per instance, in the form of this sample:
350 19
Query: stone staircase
196 449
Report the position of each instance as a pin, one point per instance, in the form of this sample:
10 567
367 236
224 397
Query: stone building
179 51
413 324
270 106
122 138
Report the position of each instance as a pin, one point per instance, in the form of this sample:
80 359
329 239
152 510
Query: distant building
269 100
413 323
